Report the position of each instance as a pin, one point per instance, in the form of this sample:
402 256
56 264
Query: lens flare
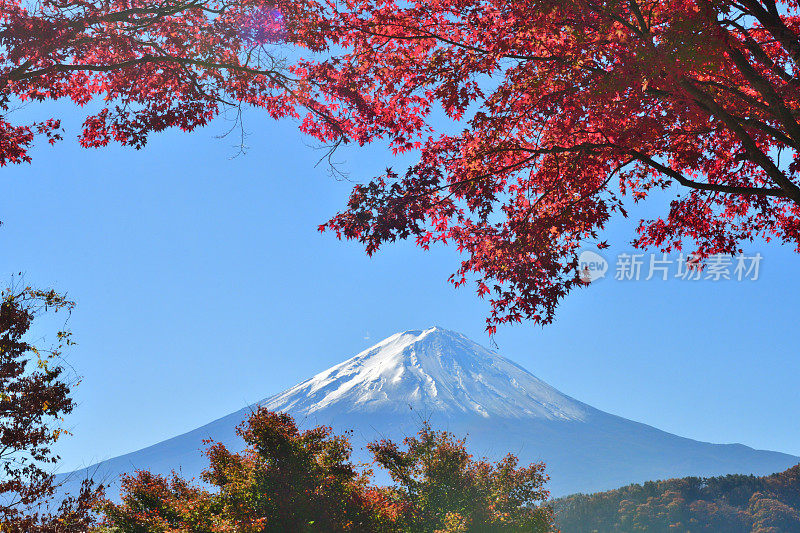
263 26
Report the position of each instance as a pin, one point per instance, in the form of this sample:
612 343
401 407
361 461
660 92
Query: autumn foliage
34 396
534 122
733 504
292 480
561 109
442 488
140 66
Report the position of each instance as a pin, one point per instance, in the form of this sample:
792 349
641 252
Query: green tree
289 480
444 489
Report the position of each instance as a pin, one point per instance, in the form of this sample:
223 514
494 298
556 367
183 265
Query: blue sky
203 285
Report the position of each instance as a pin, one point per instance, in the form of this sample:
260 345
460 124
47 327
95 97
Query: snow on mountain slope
456 384
434 369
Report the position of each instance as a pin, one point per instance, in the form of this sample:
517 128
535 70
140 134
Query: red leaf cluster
562 108
533 120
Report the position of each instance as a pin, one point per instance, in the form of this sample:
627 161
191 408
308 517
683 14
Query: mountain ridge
460 386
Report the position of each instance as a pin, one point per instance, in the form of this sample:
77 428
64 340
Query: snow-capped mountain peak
433 370
464 388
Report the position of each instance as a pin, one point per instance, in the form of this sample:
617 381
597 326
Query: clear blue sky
203 285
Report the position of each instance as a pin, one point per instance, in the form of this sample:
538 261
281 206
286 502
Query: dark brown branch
776 103
753 151
713 187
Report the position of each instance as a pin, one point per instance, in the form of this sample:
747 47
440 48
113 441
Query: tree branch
714 187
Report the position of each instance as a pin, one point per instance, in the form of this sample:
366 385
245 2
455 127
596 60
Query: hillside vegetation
730 504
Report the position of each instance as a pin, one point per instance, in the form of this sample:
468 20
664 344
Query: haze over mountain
458 385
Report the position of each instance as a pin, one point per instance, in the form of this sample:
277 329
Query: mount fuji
445 378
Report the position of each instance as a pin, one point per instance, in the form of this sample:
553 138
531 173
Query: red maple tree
152 64
563 108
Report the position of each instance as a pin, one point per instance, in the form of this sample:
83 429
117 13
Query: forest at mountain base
730 504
